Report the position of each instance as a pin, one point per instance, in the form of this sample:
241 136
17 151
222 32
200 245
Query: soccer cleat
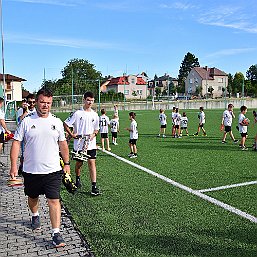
163 136
195 135
58 240
204 135
158 135
235 141
78 183
130 154
223 142
133 156
109 149
244 148
35 223
95 191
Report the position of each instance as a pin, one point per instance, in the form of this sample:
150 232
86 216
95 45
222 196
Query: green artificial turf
140 215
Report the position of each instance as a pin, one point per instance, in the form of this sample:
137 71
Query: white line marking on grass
188 189
228 186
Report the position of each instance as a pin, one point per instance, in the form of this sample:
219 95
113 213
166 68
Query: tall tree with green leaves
251 75
189 62
238 82
230 84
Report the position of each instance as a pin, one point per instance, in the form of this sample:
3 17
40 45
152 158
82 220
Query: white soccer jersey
133 130
41 137
173 114
183 122
242 129
163 118
201 116
177 119
104 123
1 118
227 118
83 123
114 123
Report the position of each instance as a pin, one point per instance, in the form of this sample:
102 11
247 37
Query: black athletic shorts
201 125
45 184
183 128
133 141
114 134
2 137
177 126
163 126
104 135
227 128
91 153
243 134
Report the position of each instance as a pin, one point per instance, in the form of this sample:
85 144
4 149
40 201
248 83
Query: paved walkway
16 236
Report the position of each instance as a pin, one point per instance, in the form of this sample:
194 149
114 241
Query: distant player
255 138
133 135
243 122
114 124
104 124
116 110
183 124
163 121
173 121
226 123
177 119
201 117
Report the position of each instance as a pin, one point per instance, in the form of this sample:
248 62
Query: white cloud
51 2
178 5
63 42
232 51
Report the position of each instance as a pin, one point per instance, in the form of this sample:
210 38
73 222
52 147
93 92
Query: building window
139 92
219 88
220 80
126 92
9 96
133 81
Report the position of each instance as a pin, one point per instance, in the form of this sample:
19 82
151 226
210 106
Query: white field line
188 189
228 186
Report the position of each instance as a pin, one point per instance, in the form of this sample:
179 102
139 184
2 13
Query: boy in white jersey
85 124
201 117
43 137
255 138
243 126
173 114
133 135
226 123
104 124
183 124
114 123
177 119
163 121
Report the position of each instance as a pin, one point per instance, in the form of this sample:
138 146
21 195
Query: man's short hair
31 96
88 94
103 111
132 114
230 105
45 92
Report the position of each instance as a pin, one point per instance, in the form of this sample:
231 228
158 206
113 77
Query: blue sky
126 36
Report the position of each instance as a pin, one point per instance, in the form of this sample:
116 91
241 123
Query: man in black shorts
43 136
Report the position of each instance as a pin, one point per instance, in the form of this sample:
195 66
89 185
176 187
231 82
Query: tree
210 90
189 62
230 84
251 75
238 82
158 91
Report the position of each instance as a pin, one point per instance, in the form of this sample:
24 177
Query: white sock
35 214
55 230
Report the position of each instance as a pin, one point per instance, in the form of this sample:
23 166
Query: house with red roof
204 80
132 86
13 87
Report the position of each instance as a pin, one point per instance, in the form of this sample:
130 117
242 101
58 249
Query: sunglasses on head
31 102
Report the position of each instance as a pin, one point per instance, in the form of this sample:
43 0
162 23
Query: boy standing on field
242 124
163 121
114 123
85 124
201 117
104 124
133 135
183 124
226 123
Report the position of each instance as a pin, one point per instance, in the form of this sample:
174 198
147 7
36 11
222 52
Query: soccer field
189 196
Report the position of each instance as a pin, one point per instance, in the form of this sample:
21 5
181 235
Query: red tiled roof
9 77
119 81
209 73
140 81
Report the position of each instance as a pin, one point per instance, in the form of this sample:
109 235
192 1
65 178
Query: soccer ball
246 122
